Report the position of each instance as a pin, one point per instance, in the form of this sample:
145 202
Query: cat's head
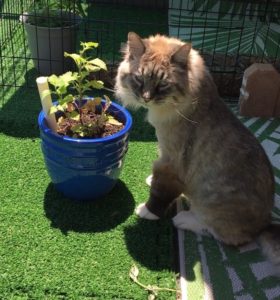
154 71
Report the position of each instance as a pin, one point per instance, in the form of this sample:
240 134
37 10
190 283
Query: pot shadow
18 115
100 215
141 131
151 244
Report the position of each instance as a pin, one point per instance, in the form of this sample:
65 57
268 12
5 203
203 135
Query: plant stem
79 85
155 288
80 111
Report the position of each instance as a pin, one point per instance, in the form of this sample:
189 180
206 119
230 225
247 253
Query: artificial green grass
54 248
51 247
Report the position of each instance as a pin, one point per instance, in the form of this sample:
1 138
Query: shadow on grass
141 129
150 244
95 216
18 116
109 24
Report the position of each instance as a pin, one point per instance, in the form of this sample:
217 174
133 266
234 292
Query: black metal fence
231 35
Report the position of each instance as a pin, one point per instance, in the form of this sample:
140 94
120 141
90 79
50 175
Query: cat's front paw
149 180
143 212
186 220
180 220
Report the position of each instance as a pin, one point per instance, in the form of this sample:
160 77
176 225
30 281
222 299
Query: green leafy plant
77 114
51 13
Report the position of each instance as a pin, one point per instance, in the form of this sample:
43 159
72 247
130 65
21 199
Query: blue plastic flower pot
85 169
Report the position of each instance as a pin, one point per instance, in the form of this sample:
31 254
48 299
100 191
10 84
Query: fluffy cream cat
205 151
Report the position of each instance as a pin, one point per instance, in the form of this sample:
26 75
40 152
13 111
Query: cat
205 152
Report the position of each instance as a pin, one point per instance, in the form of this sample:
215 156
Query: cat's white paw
143 212
186 220
149 180
180 220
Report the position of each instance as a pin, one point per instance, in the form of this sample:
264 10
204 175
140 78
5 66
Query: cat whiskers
178 103
195 101
183 116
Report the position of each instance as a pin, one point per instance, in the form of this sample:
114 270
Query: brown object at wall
260 91
277 106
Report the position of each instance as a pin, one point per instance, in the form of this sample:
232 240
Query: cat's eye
163 85
138 79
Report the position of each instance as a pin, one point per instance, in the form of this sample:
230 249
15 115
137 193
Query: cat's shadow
150 243
154 244
92 216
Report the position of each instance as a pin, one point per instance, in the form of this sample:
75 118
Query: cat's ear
136 46
181 55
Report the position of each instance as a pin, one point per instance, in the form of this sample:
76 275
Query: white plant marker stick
46 101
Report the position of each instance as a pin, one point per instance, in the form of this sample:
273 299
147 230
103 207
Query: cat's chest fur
173 138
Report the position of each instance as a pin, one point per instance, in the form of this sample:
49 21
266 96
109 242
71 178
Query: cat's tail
269 241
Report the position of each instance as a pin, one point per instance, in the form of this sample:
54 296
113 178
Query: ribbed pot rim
55 136
78 19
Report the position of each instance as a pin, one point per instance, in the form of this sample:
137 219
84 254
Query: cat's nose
146 96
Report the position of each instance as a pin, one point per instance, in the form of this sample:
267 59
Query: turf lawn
51 247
